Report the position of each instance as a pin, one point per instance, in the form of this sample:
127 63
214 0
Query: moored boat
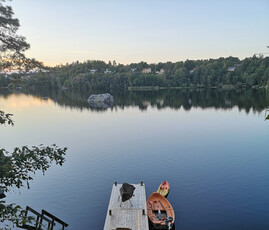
160 212
164 188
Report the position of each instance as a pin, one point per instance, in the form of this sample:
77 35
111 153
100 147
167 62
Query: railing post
40 223
37 220
52 224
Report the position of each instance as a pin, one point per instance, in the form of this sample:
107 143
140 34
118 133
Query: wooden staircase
42 217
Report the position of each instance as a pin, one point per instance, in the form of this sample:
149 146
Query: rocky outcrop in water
101 101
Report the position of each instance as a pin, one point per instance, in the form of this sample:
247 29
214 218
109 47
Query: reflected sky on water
212 147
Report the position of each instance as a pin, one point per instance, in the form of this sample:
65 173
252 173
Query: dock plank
127 216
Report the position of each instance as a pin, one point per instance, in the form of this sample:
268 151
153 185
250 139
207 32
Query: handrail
38 216
44 215
37 213
54 218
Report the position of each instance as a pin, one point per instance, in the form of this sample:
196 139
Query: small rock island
101 101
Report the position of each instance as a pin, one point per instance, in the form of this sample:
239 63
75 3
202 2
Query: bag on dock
126 191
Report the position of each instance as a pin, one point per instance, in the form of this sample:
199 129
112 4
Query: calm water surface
212 146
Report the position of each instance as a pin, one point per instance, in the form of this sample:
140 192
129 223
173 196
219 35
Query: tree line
93 75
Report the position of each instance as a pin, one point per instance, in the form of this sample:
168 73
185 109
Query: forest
227 72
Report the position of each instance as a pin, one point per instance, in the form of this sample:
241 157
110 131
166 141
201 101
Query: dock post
116 183
142 183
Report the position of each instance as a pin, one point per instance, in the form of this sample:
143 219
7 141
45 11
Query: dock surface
127 217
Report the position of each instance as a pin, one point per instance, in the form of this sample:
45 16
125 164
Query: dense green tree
189 64
206 73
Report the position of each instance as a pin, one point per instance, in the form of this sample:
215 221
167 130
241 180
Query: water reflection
252 99
267 114
215 160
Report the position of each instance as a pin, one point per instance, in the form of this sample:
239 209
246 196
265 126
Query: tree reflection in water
267 114
17 169
256 100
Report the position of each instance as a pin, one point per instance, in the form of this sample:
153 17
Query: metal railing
40 218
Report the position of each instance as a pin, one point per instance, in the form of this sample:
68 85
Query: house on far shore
4 74
133 70
107 71
192 71
37 70
146 70
160 72
92 71
231 68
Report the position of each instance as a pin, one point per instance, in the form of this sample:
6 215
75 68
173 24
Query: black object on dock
126 191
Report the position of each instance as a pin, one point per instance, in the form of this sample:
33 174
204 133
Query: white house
146 70
107 71
192 71
92 71
231 68
160 72
4 74
133 70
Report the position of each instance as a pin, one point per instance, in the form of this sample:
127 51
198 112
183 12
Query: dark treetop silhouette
12 45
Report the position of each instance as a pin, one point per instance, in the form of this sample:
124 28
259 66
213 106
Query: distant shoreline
156 88
97 75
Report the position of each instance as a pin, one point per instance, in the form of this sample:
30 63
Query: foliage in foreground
17 169
5 118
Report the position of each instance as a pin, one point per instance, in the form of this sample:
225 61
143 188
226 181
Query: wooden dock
127 217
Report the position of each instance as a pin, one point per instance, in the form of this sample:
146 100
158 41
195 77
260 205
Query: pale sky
127 31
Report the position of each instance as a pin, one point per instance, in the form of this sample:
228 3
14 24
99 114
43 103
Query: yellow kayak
164 188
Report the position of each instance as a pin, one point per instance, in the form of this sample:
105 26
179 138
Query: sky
128 31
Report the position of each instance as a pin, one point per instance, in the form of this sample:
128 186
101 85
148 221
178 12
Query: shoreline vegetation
226 73
156 88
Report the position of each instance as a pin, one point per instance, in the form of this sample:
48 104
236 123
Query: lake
211 145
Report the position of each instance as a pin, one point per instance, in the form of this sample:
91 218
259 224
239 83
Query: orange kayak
160 212
164 188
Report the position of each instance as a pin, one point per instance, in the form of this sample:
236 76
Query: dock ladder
40 217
